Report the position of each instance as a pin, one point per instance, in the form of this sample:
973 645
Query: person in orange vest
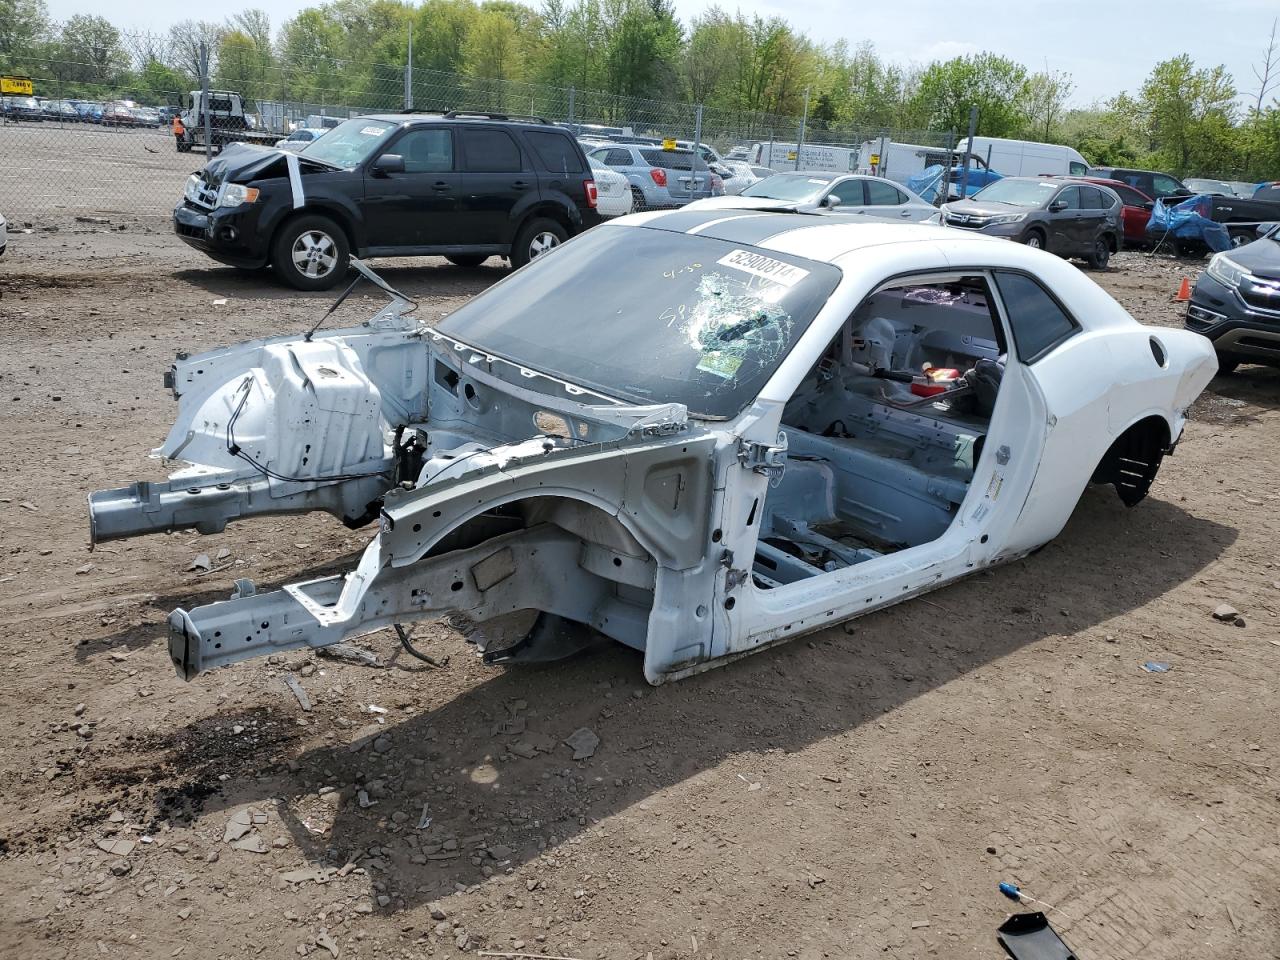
179 130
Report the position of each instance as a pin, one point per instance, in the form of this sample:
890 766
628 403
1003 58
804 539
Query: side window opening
886 430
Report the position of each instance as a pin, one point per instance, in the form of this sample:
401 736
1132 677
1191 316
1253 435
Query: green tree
24 27
1046 102
89 51
996 85
311 57
1189 112
185 38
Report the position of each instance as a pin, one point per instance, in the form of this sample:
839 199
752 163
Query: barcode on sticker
764 267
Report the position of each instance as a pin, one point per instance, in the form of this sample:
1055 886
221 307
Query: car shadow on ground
413 276
466 760
1250 383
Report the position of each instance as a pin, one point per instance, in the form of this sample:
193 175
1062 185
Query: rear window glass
555 152
1038 323
669 159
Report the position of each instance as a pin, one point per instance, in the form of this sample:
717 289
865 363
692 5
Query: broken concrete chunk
309 875
325 942
200 563
1225 611
117 848
583 742
241 822
523 748
253 844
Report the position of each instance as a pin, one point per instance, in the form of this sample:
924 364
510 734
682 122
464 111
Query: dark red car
1136 210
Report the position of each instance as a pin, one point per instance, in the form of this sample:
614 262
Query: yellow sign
791 154
875 159
668 144
21 86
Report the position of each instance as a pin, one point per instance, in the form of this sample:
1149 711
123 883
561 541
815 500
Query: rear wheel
536 238
637 199
1226 366
468 260
1035 240
310 253
1101 254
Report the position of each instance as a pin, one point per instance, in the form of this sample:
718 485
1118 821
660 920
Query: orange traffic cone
1184 291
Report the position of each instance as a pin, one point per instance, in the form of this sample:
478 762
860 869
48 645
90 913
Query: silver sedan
844 195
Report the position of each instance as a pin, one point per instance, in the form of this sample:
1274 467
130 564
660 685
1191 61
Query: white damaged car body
695 432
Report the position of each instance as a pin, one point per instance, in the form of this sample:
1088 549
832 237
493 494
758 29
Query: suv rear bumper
1236 330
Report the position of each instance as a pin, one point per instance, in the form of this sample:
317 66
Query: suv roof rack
481 115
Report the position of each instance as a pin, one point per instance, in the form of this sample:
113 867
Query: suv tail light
659 176
592 194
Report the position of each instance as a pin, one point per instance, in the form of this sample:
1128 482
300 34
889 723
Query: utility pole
804 120
697 148
968 151
204 98
408 73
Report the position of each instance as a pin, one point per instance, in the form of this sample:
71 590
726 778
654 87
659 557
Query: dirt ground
856 794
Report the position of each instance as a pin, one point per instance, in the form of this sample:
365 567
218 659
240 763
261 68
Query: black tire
310 253
1035 239
468 260
1226 366
535 238
1101 254
637 200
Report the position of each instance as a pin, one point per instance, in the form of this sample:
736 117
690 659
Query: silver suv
660 178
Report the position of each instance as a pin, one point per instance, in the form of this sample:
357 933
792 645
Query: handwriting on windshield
676 271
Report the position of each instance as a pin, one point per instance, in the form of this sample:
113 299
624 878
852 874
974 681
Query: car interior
885 431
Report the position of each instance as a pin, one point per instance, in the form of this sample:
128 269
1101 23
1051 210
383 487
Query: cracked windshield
650 316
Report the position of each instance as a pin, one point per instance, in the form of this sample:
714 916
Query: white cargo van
1026 158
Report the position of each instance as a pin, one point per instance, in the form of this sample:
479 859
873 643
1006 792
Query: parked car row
118 113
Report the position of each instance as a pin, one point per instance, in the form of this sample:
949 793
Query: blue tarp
926 183
1189 220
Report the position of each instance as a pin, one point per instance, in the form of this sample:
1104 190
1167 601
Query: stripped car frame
502 488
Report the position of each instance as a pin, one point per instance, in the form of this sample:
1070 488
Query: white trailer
778 155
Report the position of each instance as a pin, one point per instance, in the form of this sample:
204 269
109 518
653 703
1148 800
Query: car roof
806 235
408 118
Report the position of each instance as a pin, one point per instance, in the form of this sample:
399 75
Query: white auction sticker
764 267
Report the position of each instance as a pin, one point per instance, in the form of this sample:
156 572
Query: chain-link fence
92 136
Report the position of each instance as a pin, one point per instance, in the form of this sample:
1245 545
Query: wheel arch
1131 462
339 216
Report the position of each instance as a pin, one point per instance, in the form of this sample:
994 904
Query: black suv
463 186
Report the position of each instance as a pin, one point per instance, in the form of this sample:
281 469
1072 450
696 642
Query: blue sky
1105 50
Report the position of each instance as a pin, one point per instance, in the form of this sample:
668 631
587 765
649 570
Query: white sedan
613 190
843 195
697 433
301 138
